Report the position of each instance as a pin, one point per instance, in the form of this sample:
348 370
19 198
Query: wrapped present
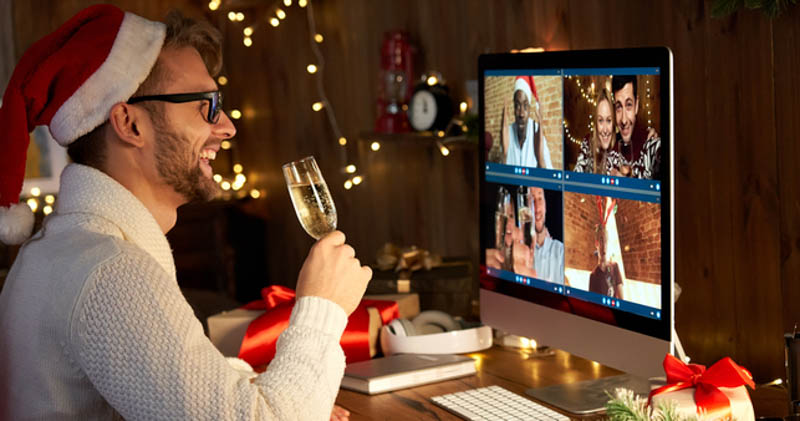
715 393
251 332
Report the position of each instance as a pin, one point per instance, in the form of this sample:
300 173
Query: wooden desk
513 370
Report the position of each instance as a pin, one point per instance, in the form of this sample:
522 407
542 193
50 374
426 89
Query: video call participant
546 262
606 278
523 140
639 147
598 154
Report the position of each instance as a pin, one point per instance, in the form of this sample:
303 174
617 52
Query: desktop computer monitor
576 202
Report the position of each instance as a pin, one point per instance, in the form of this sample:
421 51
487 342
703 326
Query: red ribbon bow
707 396
258 345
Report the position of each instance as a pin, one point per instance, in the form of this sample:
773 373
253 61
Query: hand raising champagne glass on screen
310 196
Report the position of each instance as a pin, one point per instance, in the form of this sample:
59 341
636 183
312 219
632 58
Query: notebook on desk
401 371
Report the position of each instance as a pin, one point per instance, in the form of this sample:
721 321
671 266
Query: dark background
737 192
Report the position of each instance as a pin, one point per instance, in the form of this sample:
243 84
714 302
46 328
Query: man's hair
90 149
619 81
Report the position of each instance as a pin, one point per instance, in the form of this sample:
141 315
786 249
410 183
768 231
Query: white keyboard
495 403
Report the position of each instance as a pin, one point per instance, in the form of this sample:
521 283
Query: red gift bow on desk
258 345
707 396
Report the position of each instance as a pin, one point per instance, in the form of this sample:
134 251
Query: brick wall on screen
580 218
498 92
639 226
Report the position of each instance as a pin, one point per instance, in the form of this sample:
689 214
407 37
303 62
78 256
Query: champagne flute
501 217
504 215
312 201
525 214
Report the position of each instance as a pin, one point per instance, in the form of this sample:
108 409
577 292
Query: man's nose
224 129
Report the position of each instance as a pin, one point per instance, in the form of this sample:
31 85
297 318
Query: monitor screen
576 201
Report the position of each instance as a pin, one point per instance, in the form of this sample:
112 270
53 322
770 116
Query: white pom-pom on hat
16 223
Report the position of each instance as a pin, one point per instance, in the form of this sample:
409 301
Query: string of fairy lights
588 95
273 15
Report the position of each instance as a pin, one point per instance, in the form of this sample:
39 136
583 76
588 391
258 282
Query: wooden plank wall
737 228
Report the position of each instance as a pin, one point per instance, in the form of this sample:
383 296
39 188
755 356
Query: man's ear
126 120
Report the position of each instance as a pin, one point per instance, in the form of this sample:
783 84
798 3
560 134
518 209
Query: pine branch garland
772 8
624 405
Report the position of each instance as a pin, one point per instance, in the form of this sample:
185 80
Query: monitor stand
588 397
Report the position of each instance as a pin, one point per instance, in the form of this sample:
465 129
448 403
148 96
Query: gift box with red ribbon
251 331
715 393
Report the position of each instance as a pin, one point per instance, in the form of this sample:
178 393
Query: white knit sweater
93 326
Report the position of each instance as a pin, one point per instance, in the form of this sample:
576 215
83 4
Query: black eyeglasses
214 99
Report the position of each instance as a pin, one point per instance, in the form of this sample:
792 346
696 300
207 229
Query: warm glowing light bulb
237 168
443 149
35 192
217 178
316 106
357 180
311 68
225 185
348 185
350 169
236 114
463 106
240 16
375 146
432 80
342 141
222 80
213 5
248 31
302 3
255 194
33 204
287 3
240 178
319 38
248 41
49 199
232 16
47 209
274 22
280 14
440 133
226 144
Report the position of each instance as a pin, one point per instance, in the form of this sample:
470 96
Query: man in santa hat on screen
92 321
526 145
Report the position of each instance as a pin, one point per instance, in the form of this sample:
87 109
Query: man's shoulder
78 252
554 245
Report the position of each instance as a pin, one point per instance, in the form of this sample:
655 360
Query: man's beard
179 167
522 131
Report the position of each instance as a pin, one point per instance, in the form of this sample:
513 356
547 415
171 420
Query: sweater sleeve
139 343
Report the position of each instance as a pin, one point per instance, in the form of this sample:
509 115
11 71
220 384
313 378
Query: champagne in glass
525 214
310 196
501 217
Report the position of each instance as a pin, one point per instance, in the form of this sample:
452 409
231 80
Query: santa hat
69 80
526 85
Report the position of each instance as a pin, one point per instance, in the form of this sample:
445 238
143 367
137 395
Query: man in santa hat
92 321
639 146
523 139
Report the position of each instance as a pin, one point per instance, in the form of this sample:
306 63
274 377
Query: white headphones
433 332
427 322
